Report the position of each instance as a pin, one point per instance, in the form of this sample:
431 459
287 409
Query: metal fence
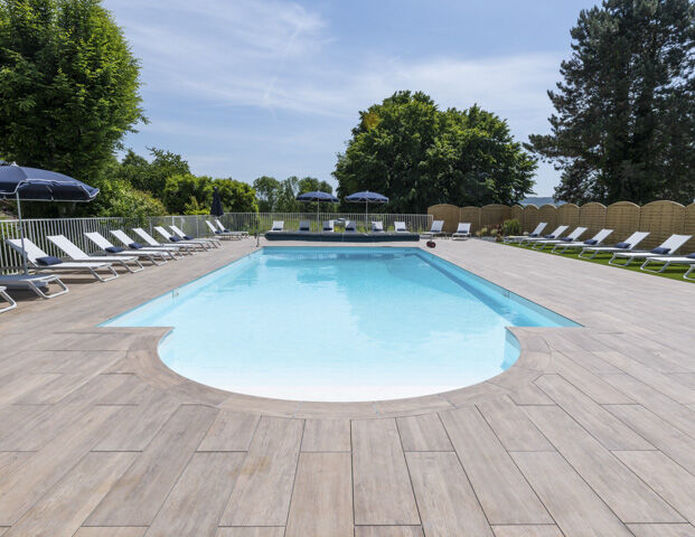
74 229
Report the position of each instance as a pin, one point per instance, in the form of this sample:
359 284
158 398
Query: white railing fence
74 229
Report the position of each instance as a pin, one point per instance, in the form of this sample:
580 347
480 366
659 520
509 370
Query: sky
244 88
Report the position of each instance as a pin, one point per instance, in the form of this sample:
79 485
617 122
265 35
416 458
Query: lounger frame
7 298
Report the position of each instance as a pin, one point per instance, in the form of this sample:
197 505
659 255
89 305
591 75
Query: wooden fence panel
448 213
689 228
568 215
518 214
548 213
623 218
494 214
472 215
662 219
531 218
593 216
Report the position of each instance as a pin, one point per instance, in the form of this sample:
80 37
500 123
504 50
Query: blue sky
244 88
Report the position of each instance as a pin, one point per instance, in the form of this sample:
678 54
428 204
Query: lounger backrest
400 226
71 249
328 225
278 225
464 227
437 226
178 231
377 226
211 227
304 225
219 224
99 240
149 239
634 239
558 231
350 225
674 242
121 236
33 252
163 232
601 236
578 232
539 228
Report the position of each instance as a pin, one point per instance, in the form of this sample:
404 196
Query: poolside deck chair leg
101 278
140 266
662 269
152 259
685 276
588 257
613 261
37 290
7 298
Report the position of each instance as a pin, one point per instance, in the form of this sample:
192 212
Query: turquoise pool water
339 324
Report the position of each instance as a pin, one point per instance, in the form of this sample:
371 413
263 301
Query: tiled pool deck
591 433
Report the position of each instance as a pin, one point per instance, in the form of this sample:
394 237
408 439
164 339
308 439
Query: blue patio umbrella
366 197
317 196
21 183
216 209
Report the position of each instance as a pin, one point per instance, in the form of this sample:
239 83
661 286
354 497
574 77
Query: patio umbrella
32 184
366 197
216 209
318 197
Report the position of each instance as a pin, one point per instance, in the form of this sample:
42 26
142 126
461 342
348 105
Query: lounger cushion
217 232
567 239
623 245
188 238
590 242
691 256
533 235
661 251
549 236
114 249
135 245
49 260
174 239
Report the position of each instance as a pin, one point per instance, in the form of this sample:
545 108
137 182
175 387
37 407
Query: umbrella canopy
216 209
367 197
317 196
32 184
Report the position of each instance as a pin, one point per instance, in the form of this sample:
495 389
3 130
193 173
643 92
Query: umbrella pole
367 227
21 235
318 225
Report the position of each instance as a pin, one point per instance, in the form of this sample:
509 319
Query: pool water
339 324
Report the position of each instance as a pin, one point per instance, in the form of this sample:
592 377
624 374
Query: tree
409 150
68 85
624 127
236 196
187 194
152 176
266 193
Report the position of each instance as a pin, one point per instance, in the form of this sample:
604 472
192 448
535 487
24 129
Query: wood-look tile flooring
591 433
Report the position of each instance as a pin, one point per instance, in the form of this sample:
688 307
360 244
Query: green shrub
511 227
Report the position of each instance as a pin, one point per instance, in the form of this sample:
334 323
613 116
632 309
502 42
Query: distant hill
538 201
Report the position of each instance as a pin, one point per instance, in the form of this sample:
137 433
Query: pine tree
624 127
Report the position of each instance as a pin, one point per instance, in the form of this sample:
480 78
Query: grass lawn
674 272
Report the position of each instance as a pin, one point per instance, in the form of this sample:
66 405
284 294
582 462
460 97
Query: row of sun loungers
130 257
623 253
328 226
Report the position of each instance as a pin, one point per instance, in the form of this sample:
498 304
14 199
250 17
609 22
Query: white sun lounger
36 283
463 231
223 229
435 230
214 241
668 247
377 227
559 230
169 252
534 234
304 226
11 304
102 242
350 226
151 242
400 227
594 241
628 244
578 232
173 239
79 256
666 261
329 226
33 253
278 225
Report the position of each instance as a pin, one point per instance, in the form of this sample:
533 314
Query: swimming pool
339 324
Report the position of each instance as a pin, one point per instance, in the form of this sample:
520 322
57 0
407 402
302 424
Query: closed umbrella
32 184
366 197
317 197
216 209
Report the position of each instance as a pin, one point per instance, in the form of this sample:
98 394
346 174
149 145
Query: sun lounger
221 234
169 252
400 227
594 241
666 262
304 226
578 232
107 247
36 283
278 225
78 256
463 231
559 230
666 248
151 242
40 260
223 229
11 304
329 226
175 240
534 234
377 227
214 241
350 226
628 244
435 230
